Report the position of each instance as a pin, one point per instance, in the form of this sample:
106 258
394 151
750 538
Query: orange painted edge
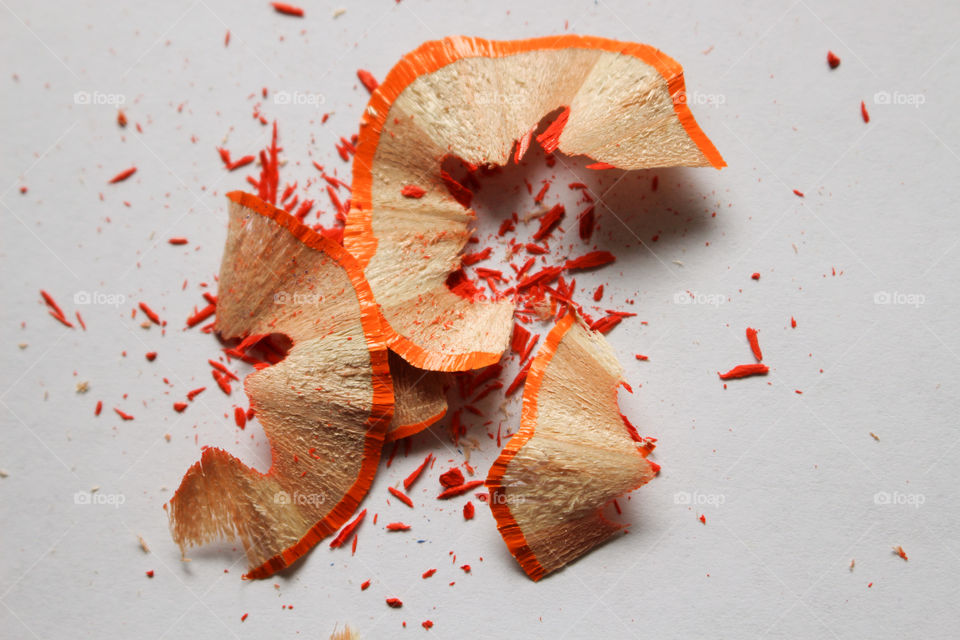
433 55
381 409
506 523
433 360
406 430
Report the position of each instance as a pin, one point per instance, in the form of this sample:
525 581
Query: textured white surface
787 482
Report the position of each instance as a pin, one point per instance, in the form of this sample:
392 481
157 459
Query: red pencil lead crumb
428 573
744 370
798 193
412 191
396 603
863 111
365 586
123 175
99 408
125 416
900 552
427 624
600 165
755 276
468 511
465 568
833 60
641 357
754 344
451 478
456 491
347 530
121 118
410 479
150 573
177 241
179 406
398 526
287 9
367 79
402 497
703 519
793 323
151 355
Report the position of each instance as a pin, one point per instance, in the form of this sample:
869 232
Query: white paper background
796 474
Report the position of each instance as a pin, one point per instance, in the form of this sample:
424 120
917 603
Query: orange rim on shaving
419 398
325 407
572 455
623 105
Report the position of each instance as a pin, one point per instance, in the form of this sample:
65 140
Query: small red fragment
287 9
428 573
99 408
427 624
240 416
154 318
466 568
590 260
744 370
549 220
755 276
900 552
177 241
754 344
600 165
365 586
179 407
640 356
348 530
459 192
412 191
863 111
151 355
402 497
396 603
398 526
456 491
703 518
125 416
550 138
150 573
798 193
367 79
451 478
410 479
793 323
121 118
833 60
598 294
123 175
468 511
